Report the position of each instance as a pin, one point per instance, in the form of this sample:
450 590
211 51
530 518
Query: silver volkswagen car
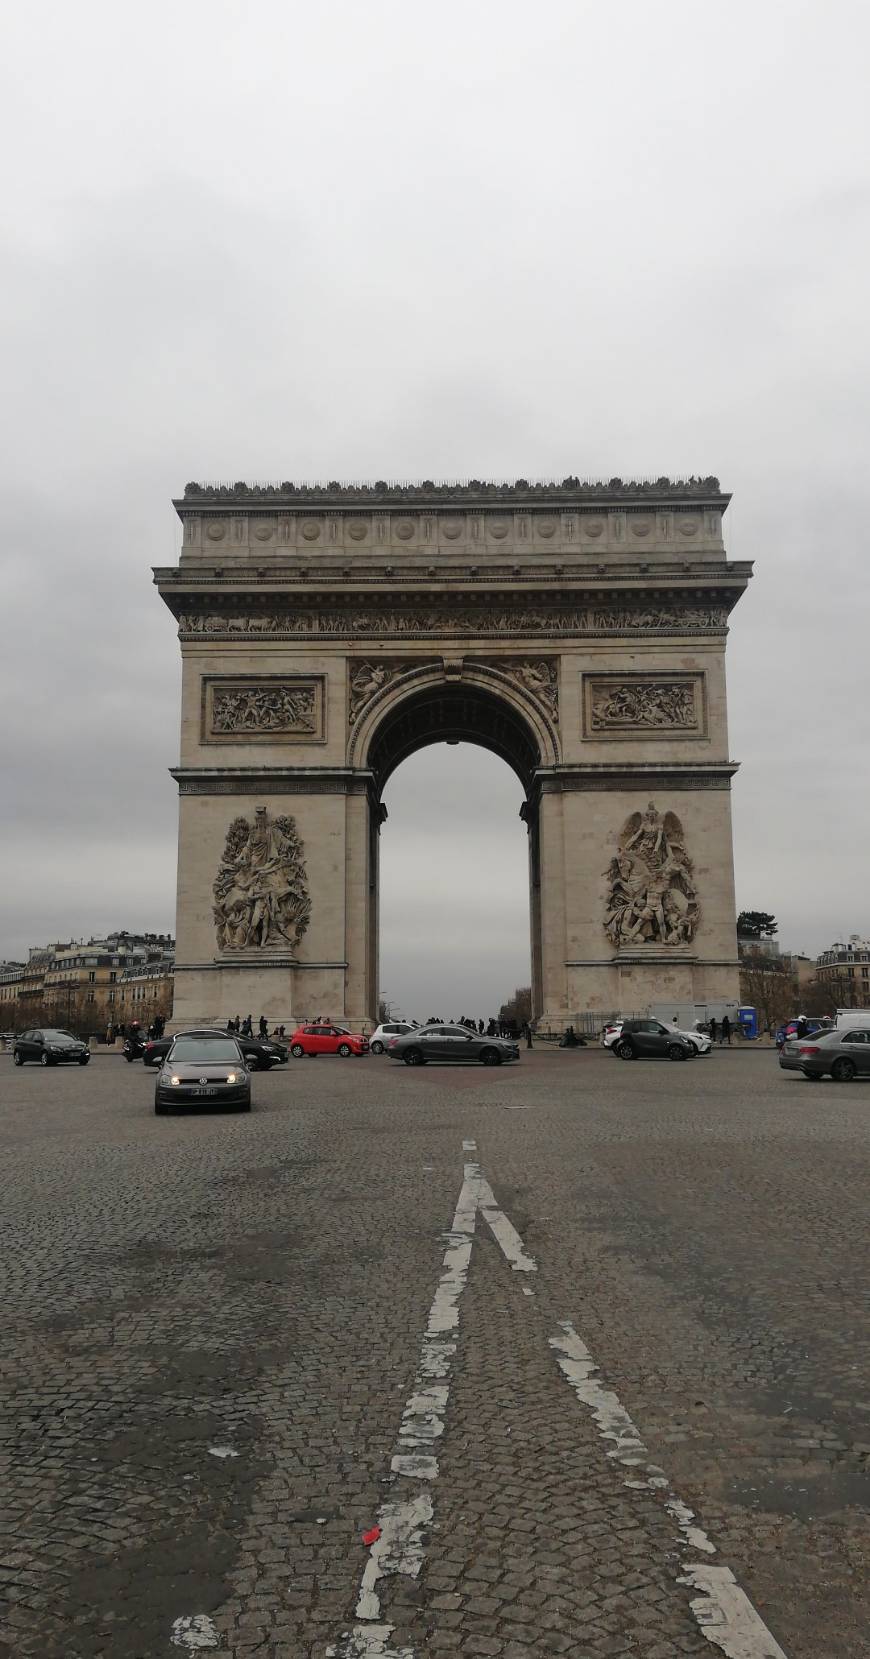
450 1042
203 1071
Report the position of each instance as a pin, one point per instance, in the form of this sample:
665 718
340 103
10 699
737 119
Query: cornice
468 493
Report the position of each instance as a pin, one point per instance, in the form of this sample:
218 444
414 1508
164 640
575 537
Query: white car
393 1028
701 1040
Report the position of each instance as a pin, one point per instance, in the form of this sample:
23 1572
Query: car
50 1048
382 1033
260 1053
812 1028
312 1040
201 1069
649 1039
450 1042
841 1055
700 1040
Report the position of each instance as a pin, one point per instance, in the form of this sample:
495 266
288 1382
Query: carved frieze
587 620
260 890
651 892
643 705
366 679
262 709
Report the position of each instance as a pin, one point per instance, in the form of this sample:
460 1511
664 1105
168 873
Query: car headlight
175 1081
232 1077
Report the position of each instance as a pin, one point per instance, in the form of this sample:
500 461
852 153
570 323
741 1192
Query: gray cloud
360 242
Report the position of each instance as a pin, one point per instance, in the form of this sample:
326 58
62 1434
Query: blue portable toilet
748 1021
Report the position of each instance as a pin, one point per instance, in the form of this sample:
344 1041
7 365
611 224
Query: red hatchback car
327 1039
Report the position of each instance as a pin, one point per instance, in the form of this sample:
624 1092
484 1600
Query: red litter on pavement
372 1536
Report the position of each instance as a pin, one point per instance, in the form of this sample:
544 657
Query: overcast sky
483 238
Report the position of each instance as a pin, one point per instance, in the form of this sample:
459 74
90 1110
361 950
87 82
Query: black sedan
50 1048
203 1071
648 1039
450 1042
260 1053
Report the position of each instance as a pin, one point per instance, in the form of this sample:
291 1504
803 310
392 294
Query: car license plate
205 1091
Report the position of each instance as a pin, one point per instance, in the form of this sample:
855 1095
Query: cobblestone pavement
183 1288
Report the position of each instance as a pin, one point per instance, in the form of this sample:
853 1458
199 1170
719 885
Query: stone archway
469 704
578 630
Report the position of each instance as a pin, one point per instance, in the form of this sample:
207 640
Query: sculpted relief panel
260 890
262 709
366 679
538 677
652 898
643 705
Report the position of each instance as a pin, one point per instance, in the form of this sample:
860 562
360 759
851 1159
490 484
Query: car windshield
60 1037
213 1050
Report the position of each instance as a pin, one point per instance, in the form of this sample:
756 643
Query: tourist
264 1028
712 1031
726 1032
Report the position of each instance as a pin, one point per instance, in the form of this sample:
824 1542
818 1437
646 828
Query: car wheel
46 1059
297 1051
843 1070
161 1110
129 1059
17 1058
414 1057
676 1051
490 1057
812 1077
84 1059
624 1051
246 1107
377 1048
344 1050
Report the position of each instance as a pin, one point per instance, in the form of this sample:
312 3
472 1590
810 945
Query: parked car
700 1040
450 1042
838 1054
199 1070
649 1039
260 1053
50 1048
382 1033
327 1039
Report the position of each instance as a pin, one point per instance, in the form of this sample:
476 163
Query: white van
848 1018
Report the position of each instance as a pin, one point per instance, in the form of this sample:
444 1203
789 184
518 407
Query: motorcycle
134 1048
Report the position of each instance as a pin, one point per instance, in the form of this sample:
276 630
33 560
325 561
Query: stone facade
578 630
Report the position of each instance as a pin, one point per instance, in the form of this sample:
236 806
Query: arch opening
453 899
454 713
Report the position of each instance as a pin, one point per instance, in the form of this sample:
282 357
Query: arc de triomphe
577 630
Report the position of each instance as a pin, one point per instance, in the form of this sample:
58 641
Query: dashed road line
723 1611
399 1549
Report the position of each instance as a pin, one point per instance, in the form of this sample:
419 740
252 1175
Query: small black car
649 1039
260 1053
203 1071
50 1048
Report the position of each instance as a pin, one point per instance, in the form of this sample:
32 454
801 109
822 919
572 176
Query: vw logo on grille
203 1080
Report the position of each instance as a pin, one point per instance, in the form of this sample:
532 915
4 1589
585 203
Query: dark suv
50 1048
649 1039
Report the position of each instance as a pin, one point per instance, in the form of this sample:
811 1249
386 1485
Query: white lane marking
399 1550
222 1451
194 1631
505 1234
723 1611
469 1146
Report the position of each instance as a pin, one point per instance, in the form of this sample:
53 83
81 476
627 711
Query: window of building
91 977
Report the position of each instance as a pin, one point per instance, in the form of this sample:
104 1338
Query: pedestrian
264 1028
712 1031
527 1033
247 1026
726 1032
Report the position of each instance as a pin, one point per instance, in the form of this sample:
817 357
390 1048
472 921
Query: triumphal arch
576 629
